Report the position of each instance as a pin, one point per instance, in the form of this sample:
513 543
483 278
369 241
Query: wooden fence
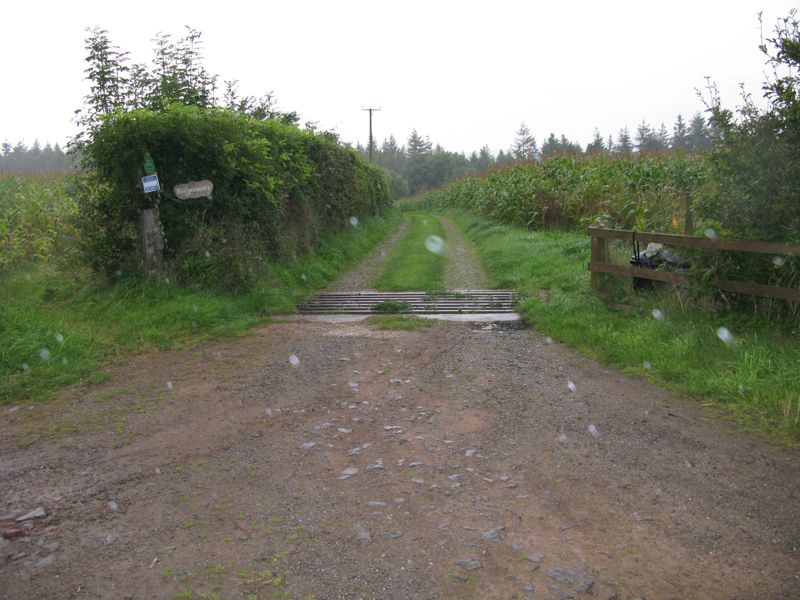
600 265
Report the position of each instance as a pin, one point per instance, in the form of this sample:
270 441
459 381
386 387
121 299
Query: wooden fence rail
601 267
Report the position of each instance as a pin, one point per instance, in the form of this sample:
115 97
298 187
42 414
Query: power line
371 142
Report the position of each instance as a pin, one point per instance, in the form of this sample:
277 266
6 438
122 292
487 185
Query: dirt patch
450 463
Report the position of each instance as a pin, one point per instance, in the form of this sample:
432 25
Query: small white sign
150 184
194 189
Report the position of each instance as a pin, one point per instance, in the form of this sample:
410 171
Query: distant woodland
21 158
418 165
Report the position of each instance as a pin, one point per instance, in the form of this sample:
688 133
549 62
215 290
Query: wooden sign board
194 189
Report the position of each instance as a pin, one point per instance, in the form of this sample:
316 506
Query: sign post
151 234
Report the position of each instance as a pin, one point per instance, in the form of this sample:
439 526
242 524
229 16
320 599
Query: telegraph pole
371 144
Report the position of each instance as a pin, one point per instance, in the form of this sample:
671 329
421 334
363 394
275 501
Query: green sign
149 165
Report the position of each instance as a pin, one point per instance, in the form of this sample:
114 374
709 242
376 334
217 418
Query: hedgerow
278 191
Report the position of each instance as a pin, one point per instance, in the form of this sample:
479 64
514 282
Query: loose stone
469 564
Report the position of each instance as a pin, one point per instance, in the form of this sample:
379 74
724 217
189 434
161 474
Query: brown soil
200 484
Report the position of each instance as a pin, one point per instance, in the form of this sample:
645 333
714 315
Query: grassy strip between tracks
416 263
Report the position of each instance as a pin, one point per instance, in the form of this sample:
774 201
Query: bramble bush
278 191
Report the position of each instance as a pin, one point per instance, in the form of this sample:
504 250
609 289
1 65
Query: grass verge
416 263
755 376
392 322
60 327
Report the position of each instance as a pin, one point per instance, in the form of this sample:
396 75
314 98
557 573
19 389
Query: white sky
463 73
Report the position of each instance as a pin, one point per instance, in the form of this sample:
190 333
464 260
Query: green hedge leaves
278 191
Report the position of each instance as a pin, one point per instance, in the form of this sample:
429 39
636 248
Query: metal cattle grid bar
459 302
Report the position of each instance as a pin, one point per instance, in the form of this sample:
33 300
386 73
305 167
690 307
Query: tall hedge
278 191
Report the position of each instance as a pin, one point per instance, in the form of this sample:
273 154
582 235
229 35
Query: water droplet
59 338
208 254
24 366
293 360
44 354
64 361
303 277
647 365
548 339
571 386
711 234
169 385
354 221
166 280
562 438
592 430
657 314
725 335
778 261
118 273
434 244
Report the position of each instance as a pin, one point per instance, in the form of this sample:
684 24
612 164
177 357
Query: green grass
60 327
756 379
391 306
400 322
412 266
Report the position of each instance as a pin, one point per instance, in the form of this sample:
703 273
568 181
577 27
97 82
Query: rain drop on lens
293 360
434 244
44 354
169 385
354 221
724 334
59 338
24 366
571 386
647 365
711 234
657 314
778 261
208 254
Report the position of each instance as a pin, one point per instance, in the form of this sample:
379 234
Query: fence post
599 255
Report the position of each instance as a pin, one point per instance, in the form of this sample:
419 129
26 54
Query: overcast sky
463 73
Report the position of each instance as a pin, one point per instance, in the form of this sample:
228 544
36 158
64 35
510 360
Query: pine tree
699 138
597 145
525 147
623 146
680 134
550 146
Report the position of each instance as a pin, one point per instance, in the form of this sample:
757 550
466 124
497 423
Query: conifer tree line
36 158
418 165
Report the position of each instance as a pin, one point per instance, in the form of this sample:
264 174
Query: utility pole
371 143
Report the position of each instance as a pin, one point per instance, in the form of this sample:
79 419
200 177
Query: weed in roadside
394 322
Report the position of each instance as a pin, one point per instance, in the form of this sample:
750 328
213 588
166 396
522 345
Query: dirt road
461 461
